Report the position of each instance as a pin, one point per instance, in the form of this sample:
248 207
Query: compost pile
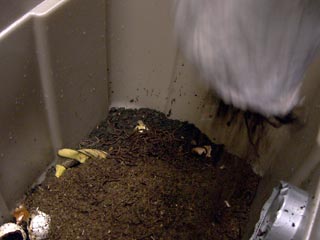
152 185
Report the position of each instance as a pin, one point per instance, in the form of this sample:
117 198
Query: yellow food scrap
73 154
80 155
59 170
94 153
141 127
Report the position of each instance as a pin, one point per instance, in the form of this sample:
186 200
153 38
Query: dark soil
151 186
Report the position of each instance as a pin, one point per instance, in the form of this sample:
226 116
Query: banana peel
93 153
73 154
80 156
60 170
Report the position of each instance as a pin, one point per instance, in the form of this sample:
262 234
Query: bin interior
65 63
13 10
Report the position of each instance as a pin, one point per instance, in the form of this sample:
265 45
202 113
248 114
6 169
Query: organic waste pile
161 179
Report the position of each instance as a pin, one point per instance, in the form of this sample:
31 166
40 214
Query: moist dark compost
153 185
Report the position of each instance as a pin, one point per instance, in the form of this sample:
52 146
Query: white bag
254 53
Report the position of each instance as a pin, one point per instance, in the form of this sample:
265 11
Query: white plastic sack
254 53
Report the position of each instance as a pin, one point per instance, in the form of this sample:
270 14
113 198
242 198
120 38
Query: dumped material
82 155
141 127
75 157
151 187
33 226
199 150
205 150
10 231
39 226
60 169
21 214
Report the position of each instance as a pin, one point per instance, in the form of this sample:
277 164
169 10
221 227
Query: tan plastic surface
14 9
54 89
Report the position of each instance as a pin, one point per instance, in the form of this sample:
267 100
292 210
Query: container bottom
162 179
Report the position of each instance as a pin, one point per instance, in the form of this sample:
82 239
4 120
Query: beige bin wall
14 9
146 69
53 91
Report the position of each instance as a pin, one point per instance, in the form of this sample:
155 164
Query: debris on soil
141 127
60 169
227 204
39 226
199 150
21 214
82 155
73 154
75 157
12 231
207 149
34 226
151 185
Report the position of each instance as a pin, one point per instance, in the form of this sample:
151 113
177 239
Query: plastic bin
65 62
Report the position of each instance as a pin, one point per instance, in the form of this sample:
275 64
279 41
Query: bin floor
151 186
